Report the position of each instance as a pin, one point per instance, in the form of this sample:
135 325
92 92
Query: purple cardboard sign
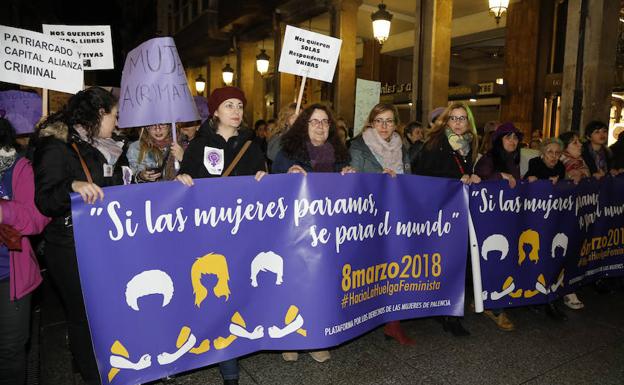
22 109
202 107
154 87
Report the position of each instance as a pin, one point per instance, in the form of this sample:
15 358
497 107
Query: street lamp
381 23
262 62
200 85
498 8
228 74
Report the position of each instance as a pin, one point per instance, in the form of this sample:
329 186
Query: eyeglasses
555 153
315 122
460 119
387 122
232 106
158 127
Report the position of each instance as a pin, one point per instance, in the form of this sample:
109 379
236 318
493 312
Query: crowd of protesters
77 150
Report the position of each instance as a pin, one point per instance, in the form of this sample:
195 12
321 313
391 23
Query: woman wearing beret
218 141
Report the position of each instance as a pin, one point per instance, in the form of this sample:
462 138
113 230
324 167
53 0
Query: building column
344 89
521 63
370 60
598 72
215 79
284 86
436 53
248 76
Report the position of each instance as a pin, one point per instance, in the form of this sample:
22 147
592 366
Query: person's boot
555 313
395 331
230 382
454 326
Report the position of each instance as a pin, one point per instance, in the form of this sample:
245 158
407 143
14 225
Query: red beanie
222 94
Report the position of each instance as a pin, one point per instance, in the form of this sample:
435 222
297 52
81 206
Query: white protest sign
367 94
310 54
95 42
37 60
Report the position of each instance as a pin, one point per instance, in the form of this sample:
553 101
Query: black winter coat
193 163
56 165
442 161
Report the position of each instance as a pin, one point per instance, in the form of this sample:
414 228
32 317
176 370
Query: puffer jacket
56 166
21 213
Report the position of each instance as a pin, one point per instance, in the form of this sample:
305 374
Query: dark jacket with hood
193 162
441 161
56 165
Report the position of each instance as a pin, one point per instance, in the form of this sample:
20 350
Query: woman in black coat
450 152
547 165
82 130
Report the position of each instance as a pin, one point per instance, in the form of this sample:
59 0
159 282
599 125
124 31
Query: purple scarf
321 157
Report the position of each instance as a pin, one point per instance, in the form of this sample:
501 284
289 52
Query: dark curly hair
7 135
295 139
84 109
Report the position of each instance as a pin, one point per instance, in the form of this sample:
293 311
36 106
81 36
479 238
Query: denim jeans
14 333
229 369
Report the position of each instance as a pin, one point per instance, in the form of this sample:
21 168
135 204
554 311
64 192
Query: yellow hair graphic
530 237
210 264
118 349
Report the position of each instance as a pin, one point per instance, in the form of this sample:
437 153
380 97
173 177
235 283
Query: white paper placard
367 94
38 60
95 42
310 54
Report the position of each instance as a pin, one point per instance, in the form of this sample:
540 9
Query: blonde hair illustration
532 238
210 264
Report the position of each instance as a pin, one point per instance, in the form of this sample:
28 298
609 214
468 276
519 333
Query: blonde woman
153 156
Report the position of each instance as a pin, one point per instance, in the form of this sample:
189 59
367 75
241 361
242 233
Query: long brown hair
437 133
147 145
294 141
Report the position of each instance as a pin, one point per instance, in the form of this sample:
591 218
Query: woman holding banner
153 156
575 170
450 152
380 149
312 145
502 162
74 152
19 270
222 147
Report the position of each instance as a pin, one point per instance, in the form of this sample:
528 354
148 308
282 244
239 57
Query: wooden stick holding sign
303 82
44 102
174 135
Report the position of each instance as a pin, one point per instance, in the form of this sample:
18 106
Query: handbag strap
82 163
236 159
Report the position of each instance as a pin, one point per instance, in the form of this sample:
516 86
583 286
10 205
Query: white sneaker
290 356
572 301
320 355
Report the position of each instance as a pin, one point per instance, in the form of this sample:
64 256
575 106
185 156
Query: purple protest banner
154 87
202 107
22 109
530 238
230 266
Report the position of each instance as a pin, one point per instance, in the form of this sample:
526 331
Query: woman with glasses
450 152
219 140
153 156
548 166
312 144
379 148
